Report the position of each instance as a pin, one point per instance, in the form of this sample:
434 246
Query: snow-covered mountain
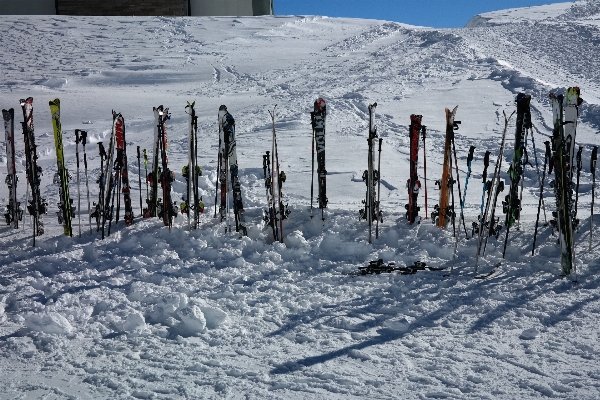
153 313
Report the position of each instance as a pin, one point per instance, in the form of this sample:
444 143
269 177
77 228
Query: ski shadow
386 335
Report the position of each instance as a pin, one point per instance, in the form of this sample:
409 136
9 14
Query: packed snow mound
519 15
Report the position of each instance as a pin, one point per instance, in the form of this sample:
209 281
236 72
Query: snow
159 314
520 15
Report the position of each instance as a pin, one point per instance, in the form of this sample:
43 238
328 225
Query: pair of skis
274 179
114 179
444 213
13 213
160 173
227 170
565 110
37 206
192 203
371 177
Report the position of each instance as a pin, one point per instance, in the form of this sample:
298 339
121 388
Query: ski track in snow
149 313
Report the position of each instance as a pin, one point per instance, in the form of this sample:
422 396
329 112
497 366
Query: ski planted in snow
228 161
593 160
121 168
166 209
37 205
413 184
13 213
270 214
565 113
511 205
443 213
109 180
371 176
318 117
62 176
191 172
423 135
99 207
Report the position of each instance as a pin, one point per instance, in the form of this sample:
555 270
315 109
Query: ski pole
493 187
83 137
464 197
538 174
537 220
455 127
579 167
78 192
219 160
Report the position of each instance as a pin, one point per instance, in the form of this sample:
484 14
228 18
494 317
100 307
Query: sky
432 13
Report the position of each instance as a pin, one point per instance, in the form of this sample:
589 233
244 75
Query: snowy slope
521 15
149 313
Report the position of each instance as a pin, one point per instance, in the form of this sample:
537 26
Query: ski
145 211
593 171
423 135
192 171
442 213
99 207
413 184
229 161
318 117
166 209
122 167
512 203
270 214
153 177
109 179
37 205
140 179
62 177
565 113
371 211
278 176
13 213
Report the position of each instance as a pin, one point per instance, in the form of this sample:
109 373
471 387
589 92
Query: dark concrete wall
22 7
123 7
